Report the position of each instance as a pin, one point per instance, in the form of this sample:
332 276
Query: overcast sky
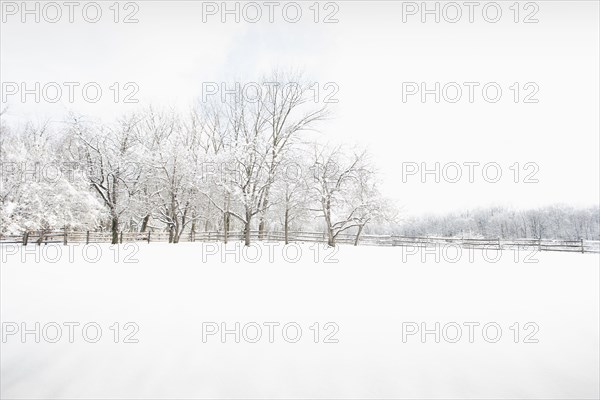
368 54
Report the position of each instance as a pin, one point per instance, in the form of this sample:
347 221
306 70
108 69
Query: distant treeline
550 222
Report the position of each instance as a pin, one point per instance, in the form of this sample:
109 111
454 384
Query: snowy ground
177 293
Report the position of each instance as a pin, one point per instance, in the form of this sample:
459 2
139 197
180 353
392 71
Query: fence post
87 237
121 238
25 238
148 236
499 245
65 236
540 243
582 247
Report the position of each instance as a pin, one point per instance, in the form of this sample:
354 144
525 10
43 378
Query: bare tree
110 159
340 190
288 108
290 193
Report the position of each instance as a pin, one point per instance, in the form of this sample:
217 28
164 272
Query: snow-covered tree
343 190
109 155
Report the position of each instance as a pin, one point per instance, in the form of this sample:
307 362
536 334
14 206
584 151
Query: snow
368 293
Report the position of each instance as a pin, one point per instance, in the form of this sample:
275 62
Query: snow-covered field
368 306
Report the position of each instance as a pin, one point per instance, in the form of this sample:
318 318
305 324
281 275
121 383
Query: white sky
368 53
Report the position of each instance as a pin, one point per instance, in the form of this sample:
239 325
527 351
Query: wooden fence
65 237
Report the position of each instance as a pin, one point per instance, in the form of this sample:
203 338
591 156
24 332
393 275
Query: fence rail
65 237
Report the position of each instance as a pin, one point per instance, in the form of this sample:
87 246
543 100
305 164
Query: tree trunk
206 222
330 236
145 223
179 227
261 228
360 228
262 223
330 240
225 227
286 222
327 213
247 229
114 227
247 234
226 217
